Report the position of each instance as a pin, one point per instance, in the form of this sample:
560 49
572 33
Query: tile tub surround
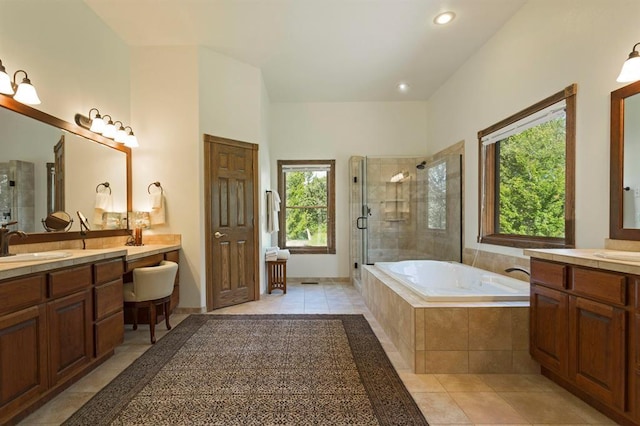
442 337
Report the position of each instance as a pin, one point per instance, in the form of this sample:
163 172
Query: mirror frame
616 166
15 106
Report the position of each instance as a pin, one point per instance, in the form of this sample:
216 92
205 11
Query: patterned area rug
258 370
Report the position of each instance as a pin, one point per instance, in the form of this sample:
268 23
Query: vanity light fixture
97 123
112 130
109 130
631 67
5 81
444 18
121 134
25 92
131 141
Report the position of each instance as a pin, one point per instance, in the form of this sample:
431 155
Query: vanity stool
151 288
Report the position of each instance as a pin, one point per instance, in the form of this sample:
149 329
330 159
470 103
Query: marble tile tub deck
450 337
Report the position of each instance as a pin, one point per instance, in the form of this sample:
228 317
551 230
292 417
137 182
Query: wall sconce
97 123
109 130
131 141
121 134
631 67
23 92
5 81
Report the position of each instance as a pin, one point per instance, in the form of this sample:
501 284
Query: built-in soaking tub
455 282
446 317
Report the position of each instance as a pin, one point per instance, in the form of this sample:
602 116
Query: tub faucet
518 268
5 236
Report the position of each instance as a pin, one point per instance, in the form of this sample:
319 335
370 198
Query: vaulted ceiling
321 50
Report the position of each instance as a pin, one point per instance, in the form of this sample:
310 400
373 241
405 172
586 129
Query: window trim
331 212
487 214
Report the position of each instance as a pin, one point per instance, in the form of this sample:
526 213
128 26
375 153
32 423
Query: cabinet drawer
108 271
109 333
145 261
108 298
21 293
69 280
548 273
604 286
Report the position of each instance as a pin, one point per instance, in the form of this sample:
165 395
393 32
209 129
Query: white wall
546 46
171 111
325 131
164 105
72 58
234 104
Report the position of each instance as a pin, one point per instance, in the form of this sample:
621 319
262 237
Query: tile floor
480 399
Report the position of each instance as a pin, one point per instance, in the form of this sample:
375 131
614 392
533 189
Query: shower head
421 165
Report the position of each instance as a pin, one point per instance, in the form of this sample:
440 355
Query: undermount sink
627 256
33 257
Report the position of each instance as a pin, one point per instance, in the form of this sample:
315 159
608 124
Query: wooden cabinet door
597 358
23 359
70 334
549 328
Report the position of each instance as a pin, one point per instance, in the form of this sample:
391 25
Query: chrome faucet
518 268
5 236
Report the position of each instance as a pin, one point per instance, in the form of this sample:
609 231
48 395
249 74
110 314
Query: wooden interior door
232 234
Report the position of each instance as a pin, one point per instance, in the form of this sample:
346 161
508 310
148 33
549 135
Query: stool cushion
151 283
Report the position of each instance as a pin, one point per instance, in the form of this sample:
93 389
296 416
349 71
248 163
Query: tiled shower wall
397 223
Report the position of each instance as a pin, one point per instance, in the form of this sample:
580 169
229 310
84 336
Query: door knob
219 235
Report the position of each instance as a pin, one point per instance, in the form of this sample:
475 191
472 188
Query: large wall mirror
624 217
48 164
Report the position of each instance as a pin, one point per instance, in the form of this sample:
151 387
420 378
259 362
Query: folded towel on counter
271 254
157 210
283 254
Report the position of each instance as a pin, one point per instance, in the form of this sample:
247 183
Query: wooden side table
277 275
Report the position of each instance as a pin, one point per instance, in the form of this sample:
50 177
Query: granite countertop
16 269
592 258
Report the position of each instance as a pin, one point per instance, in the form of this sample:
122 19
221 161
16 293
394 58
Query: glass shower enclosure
405 208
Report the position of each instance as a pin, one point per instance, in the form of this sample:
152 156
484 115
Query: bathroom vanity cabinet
55 326
584 325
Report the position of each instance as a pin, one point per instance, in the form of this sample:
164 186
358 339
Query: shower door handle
358 225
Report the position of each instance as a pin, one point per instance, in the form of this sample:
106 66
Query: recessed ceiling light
403 87
444 18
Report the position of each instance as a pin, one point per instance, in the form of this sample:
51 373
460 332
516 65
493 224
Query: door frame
209 140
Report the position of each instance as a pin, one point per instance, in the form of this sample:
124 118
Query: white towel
103 203
157 210
283 254
273 207
155 200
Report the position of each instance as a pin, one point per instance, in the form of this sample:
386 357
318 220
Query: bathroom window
527 176
307 216
437 196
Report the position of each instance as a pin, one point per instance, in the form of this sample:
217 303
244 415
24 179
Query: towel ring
157 184
105 184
